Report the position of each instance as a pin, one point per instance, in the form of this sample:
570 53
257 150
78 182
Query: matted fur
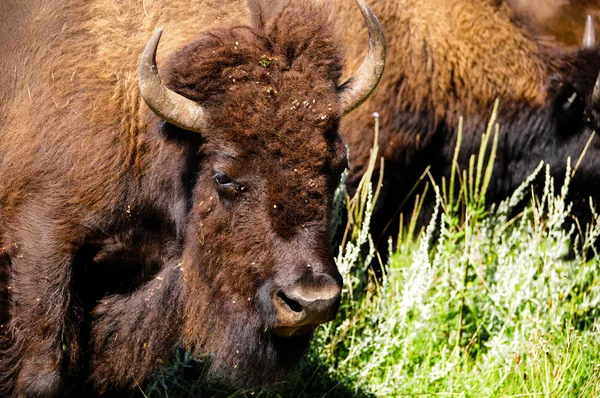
116 244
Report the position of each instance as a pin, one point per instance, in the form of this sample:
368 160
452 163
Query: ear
339 162
262 11
568 106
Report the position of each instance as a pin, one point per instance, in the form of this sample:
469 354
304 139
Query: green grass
479 303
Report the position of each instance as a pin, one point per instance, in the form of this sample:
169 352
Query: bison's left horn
589 34
167 104
357 88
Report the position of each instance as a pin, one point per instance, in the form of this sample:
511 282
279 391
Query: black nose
309 302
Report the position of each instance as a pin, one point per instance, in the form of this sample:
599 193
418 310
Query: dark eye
222 179
226 184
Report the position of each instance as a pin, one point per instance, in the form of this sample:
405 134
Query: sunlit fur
116 245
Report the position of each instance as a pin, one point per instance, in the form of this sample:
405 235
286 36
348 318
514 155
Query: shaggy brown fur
117 244
454 58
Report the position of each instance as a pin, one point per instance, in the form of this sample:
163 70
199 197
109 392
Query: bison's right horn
167 104
589 34
357 88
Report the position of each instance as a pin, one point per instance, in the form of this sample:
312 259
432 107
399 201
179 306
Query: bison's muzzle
310 302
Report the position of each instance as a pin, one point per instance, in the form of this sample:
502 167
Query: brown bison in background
454 58
198 220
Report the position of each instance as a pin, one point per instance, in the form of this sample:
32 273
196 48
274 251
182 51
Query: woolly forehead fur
270 92
264 81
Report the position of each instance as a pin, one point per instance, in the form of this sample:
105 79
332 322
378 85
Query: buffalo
182 208
455 58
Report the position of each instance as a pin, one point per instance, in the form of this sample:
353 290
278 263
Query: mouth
290 331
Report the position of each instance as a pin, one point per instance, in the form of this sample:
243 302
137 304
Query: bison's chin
262 368
247 355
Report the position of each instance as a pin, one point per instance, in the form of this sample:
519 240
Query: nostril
293 305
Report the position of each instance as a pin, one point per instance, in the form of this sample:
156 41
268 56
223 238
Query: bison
183 208
455 58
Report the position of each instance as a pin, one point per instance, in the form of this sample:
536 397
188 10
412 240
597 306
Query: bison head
561 127
257 269
574 100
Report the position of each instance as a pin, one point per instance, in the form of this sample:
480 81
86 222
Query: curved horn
596 95
359 87
589 34
167 104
